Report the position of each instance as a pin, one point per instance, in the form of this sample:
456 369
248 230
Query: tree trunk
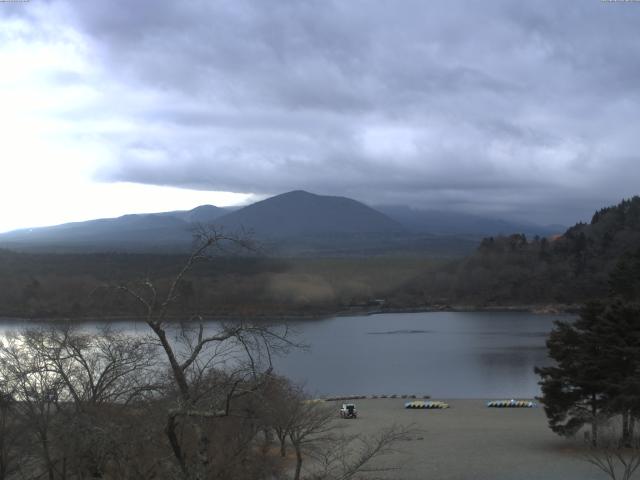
170 430
203 451
594 421
283 447
47 458
268 440
298 462
3 448
178 373
626 439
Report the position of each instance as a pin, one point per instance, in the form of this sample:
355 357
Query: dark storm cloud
516 108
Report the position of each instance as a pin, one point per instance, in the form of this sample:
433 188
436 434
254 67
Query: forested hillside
78 285
504 271
510 270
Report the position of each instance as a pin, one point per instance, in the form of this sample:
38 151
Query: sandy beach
471 441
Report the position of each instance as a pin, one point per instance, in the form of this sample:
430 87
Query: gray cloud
523 109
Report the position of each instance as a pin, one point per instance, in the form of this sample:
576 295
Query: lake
442 354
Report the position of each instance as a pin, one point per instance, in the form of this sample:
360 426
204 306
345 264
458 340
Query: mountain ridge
450 222
295 221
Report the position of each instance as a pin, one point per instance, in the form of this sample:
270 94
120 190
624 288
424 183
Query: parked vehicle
348 410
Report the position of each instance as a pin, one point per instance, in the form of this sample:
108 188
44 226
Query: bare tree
280 402
70 390
310 425
10 435
194 354
347 457
36 392
616 456
103 367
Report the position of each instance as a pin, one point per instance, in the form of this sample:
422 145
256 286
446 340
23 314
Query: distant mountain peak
298 193
201 208
203 214
303 213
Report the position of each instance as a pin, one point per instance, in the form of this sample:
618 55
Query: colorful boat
430 405
511 404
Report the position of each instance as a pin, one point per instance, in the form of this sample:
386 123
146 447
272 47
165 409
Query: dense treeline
73 286
511 270
45 285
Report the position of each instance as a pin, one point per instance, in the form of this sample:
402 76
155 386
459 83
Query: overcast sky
513 109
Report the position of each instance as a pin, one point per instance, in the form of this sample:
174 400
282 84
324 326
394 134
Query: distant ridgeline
296 223
570 268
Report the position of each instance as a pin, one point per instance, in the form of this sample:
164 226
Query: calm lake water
442 354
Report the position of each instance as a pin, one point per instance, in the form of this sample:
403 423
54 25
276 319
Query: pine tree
597 371
624 280
619 330
574 391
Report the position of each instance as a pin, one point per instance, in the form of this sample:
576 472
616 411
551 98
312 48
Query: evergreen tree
597 370
619 330
624 280
574 389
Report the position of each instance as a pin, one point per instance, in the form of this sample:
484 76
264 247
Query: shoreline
538 309
470 440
